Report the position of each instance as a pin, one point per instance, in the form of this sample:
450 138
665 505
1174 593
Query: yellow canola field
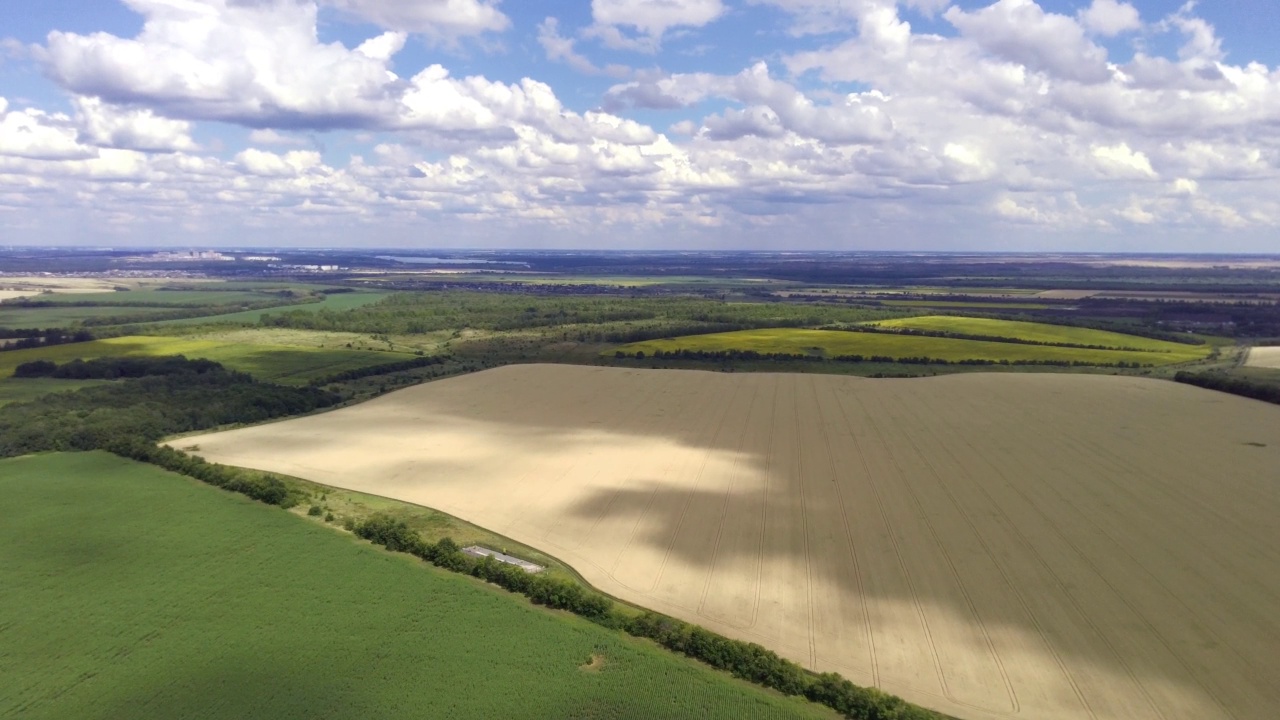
993 546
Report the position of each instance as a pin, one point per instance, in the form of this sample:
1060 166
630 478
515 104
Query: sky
1005 125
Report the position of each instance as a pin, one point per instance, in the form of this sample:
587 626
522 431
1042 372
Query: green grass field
993 306
1043 332
342 301
130 592
832 343
23 389
277 363
60 316
143 298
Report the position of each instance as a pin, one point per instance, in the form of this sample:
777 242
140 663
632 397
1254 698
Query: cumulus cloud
650 19
110 126
36 135
1110 17
258 64
1021 31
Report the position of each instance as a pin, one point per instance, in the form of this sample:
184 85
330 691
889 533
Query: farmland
280 363
1042 332
1264 357
129 592
835 343
1038 546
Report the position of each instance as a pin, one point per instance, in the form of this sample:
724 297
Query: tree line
1233 385
750 355
115 368
39 337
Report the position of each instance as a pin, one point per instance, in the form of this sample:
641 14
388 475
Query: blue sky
759 124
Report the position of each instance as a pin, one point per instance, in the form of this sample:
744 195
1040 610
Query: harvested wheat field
989 545
1264 357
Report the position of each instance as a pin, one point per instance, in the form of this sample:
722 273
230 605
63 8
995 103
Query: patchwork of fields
278 363
993 546
130 592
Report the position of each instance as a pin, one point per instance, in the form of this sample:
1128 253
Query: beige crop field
1264 357
989 545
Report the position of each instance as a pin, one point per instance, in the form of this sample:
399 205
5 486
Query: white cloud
1021 31
561 49
259 64
437 19
651 19
271 137
110 126
1110 17
1122 161
37 135
268 164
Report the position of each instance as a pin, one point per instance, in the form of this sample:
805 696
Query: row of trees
748 661
38 337
1234 385
383 369
749 355
115 368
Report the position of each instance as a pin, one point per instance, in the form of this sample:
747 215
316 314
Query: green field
993 306
130 592
13 316
23 389
1043 332
194 298
278 363
833 343
339 302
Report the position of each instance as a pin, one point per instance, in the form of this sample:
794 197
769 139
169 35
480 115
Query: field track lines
624 479
724 505
1190 620
706 411
848 535
804 534
1113 546
1083 558
711 448
764 504
890 526
633 406
956 577
1259 620
1009 582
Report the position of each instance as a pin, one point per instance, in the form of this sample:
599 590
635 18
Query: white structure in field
480 552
